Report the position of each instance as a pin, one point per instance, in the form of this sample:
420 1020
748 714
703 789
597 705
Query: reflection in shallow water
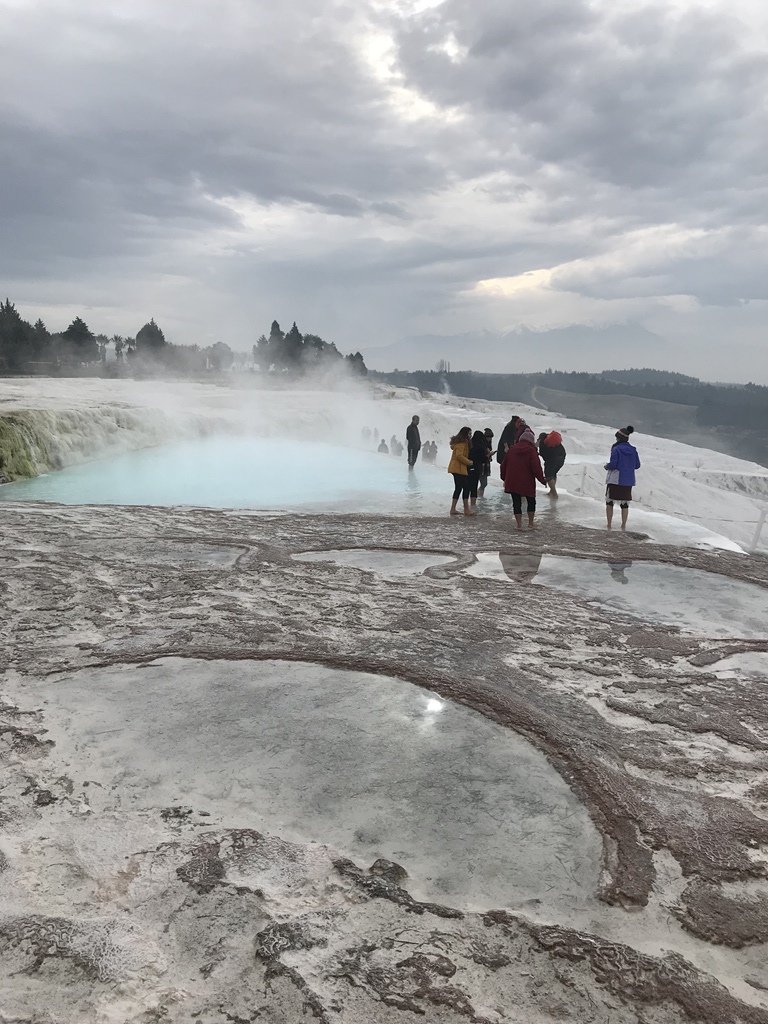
372 765
386 563
619 571
691 599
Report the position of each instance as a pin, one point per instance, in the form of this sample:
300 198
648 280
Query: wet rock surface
113 912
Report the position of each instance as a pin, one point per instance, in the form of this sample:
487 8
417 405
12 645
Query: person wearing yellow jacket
459 468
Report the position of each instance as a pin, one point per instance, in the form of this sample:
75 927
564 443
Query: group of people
525 461
395 447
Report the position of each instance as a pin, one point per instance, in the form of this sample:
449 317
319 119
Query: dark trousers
461 490
517 504
474 481
413 454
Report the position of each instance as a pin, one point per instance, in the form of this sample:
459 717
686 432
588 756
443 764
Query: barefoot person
479 453
620 478
485 472
459 467
520 469
552 455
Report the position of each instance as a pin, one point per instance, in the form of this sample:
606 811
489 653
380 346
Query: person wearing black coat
507 439
552 455
478 455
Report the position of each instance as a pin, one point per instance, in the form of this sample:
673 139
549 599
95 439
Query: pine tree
150 338
293 345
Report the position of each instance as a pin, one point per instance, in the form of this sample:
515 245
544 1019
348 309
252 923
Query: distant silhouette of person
520 469
620 476
366 434
413 440
459 467
383 447
375 434
552 455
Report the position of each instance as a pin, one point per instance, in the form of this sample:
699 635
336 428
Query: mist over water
244 472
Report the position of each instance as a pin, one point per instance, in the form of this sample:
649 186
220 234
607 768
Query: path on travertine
117 906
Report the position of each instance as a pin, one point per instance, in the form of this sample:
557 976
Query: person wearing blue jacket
620 479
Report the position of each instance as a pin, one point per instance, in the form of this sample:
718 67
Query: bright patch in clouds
377 169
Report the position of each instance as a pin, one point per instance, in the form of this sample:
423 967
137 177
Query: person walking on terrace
459 467
413 440
620 478
552 454
520 469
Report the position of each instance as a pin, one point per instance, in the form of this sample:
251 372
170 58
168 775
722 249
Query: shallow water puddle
386 563
372 765
694 600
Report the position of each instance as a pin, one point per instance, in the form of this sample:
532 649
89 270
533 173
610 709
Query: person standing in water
507 439
620 477
413 440
520 469
459 467
552 454
479 453
485 472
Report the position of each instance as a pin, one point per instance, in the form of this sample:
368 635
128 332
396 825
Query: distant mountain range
578 347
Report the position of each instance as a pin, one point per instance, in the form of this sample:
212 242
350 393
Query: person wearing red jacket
520 469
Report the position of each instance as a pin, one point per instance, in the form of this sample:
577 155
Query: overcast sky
378 169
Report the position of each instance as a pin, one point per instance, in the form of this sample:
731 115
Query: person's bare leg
473 502
531 524
454 511
624 517
519 520
552 488
481 492
467 510
609 515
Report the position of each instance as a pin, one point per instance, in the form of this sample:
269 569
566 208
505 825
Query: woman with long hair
479 453
620 478
459 467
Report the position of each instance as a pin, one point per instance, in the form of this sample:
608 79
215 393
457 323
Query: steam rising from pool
238 472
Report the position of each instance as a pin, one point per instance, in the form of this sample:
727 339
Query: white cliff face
684 495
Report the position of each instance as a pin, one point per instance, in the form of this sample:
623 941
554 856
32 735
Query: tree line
32 348
294 352
717 405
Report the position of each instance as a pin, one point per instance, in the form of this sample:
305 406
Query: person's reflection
520 568
618 569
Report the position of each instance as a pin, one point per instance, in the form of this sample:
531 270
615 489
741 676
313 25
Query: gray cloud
362 170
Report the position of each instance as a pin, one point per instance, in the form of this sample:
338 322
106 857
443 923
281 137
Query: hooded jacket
625 459
459 458
521 468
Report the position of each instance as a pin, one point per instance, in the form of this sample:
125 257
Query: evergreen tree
17 337
276 354
81 341
261 354
293 346
150 338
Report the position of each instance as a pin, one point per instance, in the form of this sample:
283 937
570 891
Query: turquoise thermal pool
235 472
